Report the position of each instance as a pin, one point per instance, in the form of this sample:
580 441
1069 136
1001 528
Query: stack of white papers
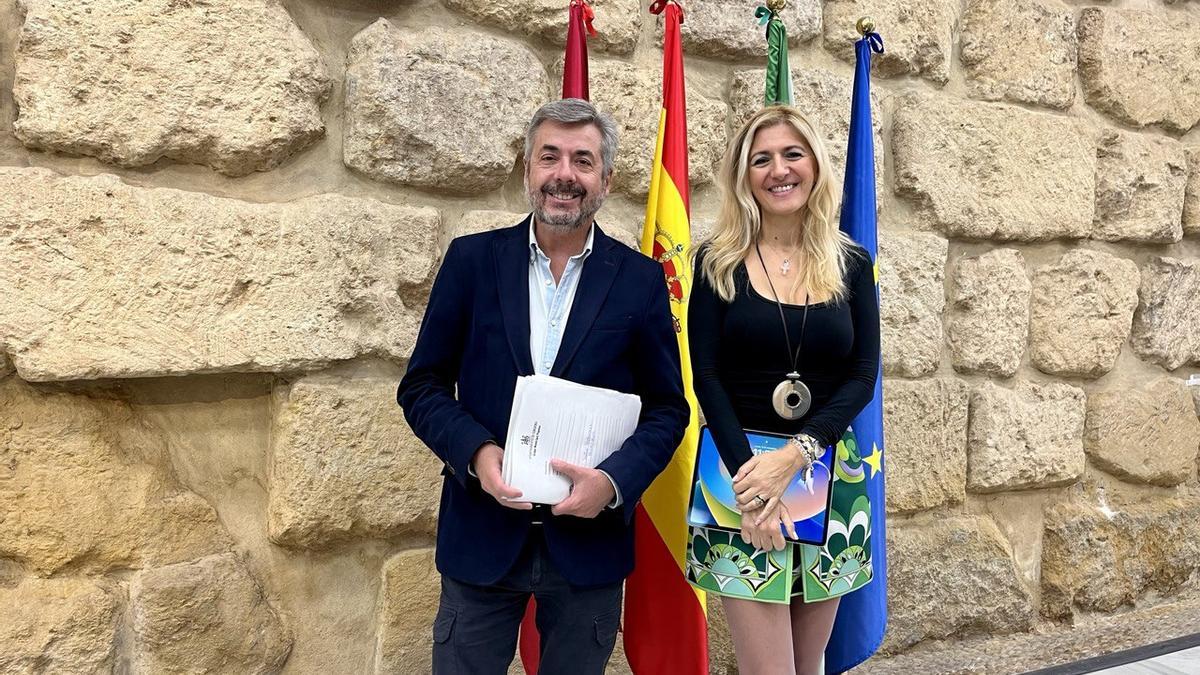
555 418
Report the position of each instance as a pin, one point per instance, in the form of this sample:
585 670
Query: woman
784 300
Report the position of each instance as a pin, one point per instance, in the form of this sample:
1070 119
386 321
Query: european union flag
862 615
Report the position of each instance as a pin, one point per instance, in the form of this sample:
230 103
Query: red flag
665 624
575 85
531 643
575 62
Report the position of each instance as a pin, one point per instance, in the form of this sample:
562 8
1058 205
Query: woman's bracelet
808 447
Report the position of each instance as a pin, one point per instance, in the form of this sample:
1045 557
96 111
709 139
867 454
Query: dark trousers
475 632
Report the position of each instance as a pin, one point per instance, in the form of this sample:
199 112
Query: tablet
712 500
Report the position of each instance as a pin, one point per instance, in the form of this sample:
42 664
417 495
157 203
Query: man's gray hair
576 111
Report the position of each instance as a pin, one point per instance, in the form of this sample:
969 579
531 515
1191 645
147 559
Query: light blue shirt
550 307
549 302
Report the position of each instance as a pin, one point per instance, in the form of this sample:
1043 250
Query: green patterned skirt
719 562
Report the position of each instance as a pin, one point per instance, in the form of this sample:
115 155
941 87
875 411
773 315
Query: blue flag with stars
862 614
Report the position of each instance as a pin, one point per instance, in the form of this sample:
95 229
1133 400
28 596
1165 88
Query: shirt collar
535 250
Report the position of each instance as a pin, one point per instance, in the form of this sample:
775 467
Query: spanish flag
665 623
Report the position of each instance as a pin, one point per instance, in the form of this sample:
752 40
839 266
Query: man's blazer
474 341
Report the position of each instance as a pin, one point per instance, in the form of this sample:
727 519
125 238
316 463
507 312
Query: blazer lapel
599 272
511 256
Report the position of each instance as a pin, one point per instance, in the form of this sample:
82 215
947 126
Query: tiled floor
1186 662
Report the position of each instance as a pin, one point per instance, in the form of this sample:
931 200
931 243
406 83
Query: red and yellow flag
665 622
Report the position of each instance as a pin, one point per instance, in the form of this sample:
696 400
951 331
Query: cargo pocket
443 625
606 629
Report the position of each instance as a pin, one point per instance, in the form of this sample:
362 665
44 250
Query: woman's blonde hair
825 248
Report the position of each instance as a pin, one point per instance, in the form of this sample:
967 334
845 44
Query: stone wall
219 221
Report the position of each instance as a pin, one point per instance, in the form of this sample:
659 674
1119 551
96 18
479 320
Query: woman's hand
767 475
765 533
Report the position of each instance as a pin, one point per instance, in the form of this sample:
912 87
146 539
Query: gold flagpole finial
776 5
865 25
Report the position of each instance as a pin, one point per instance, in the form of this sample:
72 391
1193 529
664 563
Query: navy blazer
474 341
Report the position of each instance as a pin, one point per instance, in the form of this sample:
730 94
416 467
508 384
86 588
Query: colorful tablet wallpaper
713 502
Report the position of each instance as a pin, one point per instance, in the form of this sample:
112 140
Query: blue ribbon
875 40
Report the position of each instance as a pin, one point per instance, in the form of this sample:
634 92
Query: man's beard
588 206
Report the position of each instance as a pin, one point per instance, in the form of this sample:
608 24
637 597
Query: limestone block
823 97
1166 325
1140 65
346 465
58 626
82 486
725 29
618 22
1096 559
1022 51
989 318
1140 182
1145 435
925 423
475 222
911 299
102 279
1025 437
438 109
633 96
206 616
918 34
1081 312
233 84
988 171
1191 201
964 562
408 603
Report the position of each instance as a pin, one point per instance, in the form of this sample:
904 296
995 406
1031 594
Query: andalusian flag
665 623
862 614
779 74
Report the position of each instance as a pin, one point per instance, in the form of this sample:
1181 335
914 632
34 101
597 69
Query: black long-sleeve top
739 356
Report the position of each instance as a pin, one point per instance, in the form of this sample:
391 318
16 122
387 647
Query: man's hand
591 490
487 461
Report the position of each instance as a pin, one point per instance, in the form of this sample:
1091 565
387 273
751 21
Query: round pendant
791 399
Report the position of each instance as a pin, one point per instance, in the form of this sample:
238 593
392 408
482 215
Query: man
553 295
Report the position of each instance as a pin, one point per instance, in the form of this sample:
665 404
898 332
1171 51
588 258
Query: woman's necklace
785 266
792 398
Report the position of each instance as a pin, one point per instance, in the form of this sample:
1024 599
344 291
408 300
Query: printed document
555 418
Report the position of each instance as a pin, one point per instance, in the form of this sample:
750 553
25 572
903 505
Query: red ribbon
658 6
588 15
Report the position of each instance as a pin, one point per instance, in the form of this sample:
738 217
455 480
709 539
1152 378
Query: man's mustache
573 189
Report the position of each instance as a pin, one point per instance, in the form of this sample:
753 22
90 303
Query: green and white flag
779 74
